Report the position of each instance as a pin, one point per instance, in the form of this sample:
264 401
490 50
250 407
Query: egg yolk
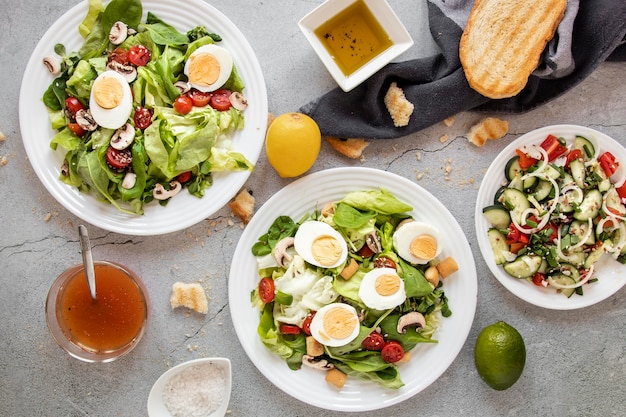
387 284
326 250
424 247
108 92
339 323
204 69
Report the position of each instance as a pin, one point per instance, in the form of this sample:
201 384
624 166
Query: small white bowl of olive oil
355 38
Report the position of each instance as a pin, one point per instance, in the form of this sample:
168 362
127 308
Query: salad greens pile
354 217
195 144
559 212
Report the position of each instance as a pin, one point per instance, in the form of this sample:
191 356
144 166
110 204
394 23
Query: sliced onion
559 252
584 239
580 283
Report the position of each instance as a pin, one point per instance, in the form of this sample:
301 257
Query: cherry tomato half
384 262
365 251
184 177
266 290
142 118
118 159
72 105
306 324
392 351
76 129
199 98
289 328
374 341
119 55
183 104
220 100
538 279
139 55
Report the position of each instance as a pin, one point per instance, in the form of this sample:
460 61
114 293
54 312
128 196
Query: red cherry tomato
384 262
538 279
365 251
184 177
306 324
76 129
183 104
289 328
72 105
199 98
220 100
119 55
392 351
139 55
374 341
142 118
266 290
118 159
574 154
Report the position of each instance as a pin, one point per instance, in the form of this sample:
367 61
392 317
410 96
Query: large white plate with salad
608 273
428 360
184 210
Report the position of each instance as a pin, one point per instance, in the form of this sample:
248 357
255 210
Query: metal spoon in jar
85 247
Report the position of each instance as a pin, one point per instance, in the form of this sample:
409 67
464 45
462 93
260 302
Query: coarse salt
197 391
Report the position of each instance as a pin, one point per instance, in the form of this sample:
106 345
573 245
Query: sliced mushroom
239 101
123 137
322 364
118 33
129 180
53 65
373 241
183 86
160 193
127 71
86 120
280 251
65 169
412 319
403 222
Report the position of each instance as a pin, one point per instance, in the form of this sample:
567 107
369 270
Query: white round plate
611 274
428 361
185 210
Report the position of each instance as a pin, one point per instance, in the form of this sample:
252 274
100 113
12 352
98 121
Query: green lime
500 355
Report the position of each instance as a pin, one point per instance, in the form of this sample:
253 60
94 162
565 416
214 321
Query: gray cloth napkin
588 34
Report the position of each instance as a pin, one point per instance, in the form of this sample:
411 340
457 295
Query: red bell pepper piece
525 161
608 163
554 147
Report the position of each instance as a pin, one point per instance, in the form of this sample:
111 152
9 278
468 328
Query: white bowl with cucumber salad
586 266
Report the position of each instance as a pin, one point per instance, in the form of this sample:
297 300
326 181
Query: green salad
350 289
142 110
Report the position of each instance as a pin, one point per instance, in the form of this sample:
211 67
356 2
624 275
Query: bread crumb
489 128
418 156
444 138
242 206
191 296
398 106
3 161
351 147
3 137
47 217
448 121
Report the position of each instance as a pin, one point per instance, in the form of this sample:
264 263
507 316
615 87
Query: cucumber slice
498 216
579 173
524 266
498 245
594 256
604 182
542 190
580 229
512 168
516 201
497 198
614 202
561 279
590 207
586 147
570 270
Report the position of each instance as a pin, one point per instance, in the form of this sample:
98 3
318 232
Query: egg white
405 234
372 299
116 117
224 59
308 232
321 335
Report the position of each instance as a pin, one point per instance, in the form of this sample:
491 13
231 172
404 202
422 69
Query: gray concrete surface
576 362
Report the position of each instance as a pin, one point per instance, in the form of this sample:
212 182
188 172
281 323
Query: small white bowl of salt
197 388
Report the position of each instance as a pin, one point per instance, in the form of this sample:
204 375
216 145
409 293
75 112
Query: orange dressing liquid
114 319
353 37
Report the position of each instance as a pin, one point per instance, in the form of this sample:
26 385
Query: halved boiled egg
111 100
417 242
320 245
382 288
208 67
335 324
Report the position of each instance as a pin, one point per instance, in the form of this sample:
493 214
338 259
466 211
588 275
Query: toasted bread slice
351 147
503 41
398 106
489 128
191 296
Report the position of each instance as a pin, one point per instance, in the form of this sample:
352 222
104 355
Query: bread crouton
336 377
489 128
243 206
351 147
398 106
190 296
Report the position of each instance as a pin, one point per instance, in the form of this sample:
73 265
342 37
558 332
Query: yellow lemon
292 144
500 355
